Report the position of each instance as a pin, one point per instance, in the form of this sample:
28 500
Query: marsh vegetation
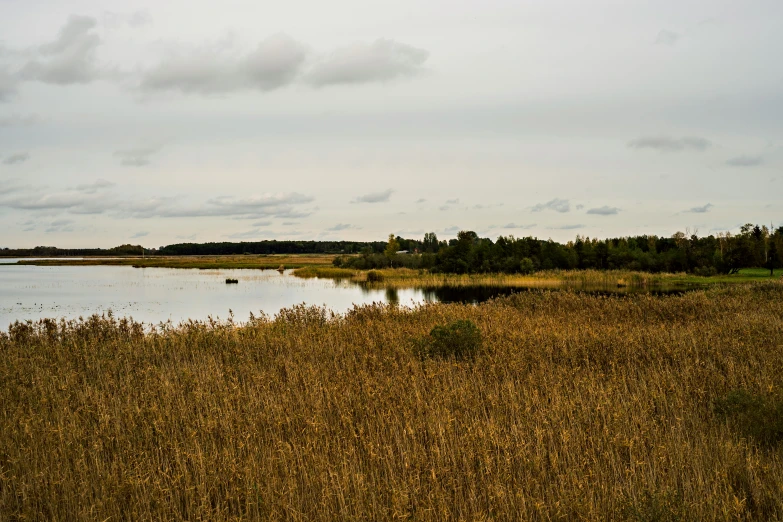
572 406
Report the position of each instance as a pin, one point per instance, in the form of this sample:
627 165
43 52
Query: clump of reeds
325 272
578 407
374 276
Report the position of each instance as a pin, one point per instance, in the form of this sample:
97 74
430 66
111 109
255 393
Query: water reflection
392 296
155 295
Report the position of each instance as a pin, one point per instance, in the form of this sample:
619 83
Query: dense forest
724 253
271 247
50 251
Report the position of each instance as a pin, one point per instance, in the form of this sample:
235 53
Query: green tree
392 247
430 243
773 257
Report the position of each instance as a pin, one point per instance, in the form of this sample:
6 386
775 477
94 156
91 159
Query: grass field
578 407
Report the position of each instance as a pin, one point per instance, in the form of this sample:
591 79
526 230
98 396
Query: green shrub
754 416
526 266
374 277
460 339
666 506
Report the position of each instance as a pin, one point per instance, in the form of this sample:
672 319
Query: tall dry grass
581 407
410 278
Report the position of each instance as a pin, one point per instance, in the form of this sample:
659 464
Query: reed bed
409 278
579 407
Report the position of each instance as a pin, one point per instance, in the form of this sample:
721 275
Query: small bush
655 507
754 416
374 277
705 271
460 339
526 266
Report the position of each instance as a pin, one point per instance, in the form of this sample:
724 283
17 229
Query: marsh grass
327 272
410 278
580 407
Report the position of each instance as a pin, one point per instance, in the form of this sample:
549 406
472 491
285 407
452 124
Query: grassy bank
406 278
577 407
202 262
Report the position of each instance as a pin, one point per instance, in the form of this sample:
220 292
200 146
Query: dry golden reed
410 278
580 407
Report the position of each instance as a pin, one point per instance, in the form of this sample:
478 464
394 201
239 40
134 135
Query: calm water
154 295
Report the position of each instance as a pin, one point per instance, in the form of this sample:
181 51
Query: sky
154 123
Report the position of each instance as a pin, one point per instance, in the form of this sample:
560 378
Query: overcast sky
159 122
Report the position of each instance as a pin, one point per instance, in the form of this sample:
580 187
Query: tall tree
392 246
773 257
430 242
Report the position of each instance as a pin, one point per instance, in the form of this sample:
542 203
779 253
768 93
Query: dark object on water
230 281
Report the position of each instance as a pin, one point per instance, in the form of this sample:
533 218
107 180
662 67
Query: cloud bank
274 63
209 69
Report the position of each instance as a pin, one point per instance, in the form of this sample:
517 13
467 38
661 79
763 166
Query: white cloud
139 157
340 226
669 144
604 211
517 227
92 188
14 159
135 19
745 161
382 60
374 197
558 205
700 210
274 63
70 58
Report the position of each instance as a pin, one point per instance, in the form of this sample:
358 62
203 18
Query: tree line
724 253
204 249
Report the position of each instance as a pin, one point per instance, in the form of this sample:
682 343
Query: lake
155 295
